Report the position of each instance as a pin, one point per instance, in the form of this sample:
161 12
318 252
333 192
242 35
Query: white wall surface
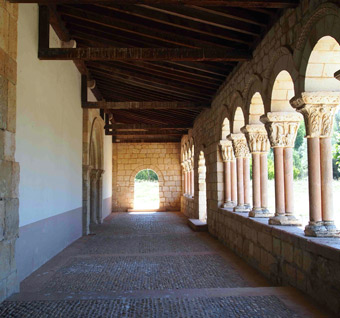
49 127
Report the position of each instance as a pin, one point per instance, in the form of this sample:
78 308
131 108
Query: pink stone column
246 178
256 181
226 166
279 182
233 181
288 180
326 181
185 182
189 181
264 181
192 183
314 179
240 184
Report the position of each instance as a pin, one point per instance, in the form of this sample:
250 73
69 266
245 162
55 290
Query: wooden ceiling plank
144 126
144 105
156 86
138 29
207 83
279 4
227 23
191 25
143 54
150 79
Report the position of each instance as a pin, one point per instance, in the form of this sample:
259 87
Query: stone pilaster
86 199
100 173
241 152
259 146
282 129
228 157
318 109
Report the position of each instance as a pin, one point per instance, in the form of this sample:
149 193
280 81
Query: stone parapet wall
188 207
283 254
9 169
130 158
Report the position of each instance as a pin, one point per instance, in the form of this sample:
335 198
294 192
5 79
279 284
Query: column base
260 213
287 220
322 229
241 209
228 205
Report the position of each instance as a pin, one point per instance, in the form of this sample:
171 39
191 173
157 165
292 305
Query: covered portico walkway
152 265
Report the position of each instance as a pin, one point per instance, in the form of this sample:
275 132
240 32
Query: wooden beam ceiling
279 4
156 63
144 105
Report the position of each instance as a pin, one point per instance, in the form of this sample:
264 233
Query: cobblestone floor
151 265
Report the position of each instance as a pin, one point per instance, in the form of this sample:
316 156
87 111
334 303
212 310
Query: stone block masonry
9 169
130 158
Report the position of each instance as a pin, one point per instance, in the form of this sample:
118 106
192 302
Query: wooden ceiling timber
144 105
143 30
278 4
160 87
170 18
150 79
204 17
168 74
145 140
145 126
143 54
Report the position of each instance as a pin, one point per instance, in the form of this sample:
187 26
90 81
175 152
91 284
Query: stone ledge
187 197
326 247
197 225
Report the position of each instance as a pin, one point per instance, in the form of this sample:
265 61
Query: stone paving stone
144 244
110 273
222 307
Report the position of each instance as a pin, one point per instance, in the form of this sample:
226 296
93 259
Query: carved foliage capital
240 145
318 110
282 128
257 138
227 150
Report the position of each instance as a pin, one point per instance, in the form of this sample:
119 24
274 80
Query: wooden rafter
144 126
143 54
144 105
227 3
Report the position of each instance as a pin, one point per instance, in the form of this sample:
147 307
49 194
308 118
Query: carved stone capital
318 109
240 145
227 150
257 138
282 128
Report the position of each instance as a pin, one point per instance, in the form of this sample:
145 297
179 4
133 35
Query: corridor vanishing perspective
169 158
152 265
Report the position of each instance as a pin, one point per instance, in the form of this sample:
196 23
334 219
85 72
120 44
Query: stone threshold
327 247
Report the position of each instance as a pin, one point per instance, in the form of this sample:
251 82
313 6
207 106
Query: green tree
146 175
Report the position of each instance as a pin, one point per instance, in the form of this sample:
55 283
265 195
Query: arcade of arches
68 168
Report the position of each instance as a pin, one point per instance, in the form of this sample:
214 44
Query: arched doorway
146 190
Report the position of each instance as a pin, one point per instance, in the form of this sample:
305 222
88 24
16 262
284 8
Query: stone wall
286 47
130 158
9 169
284 255
188 207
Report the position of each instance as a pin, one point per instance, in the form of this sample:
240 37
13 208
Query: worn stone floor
152 265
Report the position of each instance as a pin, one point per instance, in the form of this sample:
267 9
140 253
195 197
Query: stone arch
238 110
225 130
238 120
324 22
254 100
282 61
283 90
323 62
160 181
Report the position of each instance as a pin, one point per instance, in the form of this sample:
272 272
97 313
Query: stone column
233 181
318 109
93 196
192 178
86 199
282 128
246 180
259 146
228 157
241 152
100 195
